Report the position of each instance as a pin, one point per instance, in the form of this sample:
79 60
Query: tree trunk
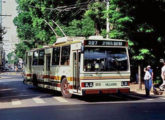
139 77
97 29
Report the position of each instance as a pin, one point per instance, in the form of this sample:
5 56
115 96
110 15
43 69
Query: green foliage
146 28
21 48
142 54
96 13
34 32
141 22
12 58
83 27
119 19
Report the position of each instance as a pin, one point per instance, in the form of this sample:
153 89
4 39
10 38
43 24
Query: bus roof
70 40
101 38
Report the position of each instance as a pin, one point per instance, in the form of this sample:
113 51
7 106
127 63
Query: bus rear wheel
65 88
35 83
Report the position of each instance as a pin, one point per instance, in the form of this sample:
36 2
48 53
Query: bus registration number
110 84
106 84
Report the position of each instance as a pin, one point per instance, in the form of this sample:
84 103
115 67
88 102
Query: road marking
5 77
16 102
60 99
150 99
39 100
163 98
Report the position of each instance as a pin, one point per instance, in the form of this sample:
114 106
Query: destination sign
105 43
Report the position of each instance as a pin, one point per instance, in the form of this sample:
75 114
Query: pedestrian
152 76
147 81
150 71
162 75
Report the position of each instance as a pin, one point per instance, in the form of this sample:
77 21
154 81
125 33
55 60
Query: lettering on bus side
105 43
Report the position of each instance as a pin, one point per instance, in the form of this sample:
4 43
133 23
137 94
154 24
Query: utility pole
0 11
107 20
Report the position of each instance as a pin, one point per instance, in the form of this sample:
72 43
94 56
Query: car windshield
105 59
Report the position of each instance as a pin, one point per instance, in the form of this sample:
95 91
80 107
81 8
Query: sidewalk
10 73
134 88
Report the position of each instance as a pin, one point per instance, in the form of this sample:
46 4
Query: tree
147 32
138 21
120 19
31 25
96 13
12 58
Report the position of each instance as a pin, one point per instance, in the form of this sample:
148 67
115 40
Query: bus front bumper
105 91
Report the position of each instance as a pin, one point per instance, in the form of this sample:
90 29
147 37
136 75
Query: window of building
35 58
56 56
41 57
65 55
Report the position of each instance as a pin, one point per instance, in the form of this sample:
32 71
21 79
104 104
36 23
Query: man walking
162 75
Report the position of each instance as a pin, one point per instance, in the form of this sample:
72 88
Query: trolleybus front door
76 70
47 66
30 64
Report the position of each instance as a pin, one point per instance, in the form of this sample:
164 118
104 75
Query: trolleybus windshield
105 59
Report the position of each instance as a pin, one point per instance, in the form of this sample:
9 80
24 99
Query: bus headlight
124 83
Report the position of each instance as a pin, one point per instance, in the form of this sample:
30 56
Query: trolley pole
107 20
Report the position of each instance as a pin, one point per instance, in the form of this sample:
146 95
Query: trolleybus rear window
105 59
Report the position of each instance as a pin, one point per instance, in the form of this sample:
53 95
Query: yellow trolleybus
80 66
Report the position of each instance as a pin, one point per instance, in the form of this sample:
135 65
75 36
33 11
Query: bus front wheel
65 88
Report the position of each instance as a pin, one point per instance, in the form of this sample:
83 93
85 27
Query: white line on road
150 99
163 98
60 99
39 100
16 102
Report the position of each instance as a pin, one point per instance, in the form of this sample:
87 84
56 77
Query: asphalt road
22 102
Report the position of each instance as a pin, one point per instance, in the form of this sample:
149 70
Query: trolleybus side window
35 58
25 60
56 56
65 55
41 57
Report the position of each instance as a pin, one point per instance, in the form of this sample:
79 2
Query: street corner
138 91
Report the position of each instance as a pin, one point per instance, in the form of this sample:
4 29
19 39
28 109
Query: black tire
65 89
35 83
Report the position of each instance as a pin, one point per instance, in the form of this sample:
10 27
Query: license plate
105 84
110 84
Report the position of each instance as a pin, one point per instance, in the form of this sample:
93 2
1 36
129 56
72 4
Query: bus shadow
114 97
17 90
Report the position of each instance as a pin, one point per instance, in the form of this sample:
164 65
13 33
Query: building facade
10 12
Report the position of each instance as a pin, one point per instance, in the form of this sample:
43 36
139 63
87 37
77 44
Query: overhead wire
63 8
